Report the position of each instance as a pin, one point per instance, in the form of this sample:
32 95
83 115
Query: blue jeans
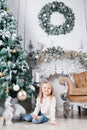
28 117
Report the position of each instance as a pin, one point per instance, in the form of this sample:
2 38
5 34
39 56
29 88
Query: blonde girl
45 109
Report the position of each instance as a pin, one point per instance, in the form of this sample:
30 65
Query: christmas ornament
14 51
1 74
15 87
22 95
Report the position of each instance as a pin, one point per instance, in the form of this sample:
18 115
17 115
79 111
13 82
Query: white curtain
18 8
85 10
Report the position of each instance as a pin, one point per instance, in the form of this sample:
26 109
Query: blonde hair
40 92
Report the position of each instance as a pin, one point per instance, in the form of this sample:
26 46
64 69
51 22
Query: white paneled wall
26 12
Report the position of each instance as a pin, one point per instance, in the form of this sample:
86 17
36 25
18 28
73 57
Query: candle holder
37 87
36 84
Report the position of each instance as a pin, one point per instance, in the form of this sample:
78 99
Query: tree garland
45 15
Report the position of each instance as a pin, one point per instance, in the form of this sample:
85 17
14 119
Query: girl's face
46 89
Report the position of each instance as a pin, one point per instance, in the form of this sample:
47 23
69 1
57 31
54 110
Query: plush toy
8 113
13 110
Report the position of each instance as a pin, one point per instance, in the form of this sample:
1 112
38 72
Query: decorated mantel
56 60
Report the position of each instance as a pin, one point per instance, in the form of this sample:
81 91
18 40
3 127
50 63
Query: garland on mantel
45 16
41 56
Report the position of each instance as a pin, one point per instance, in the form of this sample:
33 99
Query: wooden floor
74 122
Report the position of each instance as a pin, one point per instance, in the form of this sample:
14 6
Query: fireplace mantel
60 66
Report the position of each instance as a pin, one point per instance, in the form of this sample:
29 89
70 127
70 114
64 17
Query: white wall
26 13
28 24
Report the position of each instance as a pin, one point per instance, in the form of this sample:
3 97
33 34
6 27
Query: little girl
45 106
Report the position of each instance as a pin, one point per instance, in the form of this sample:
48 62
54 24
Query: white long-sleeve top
47 107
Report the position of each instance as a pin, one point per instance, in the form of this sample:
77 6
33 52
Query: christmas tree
14 71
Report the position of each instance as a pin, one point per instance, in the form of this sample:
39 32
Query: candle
36 78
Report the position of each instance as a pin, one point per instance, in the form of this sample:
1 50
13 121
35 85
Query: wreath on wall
45 16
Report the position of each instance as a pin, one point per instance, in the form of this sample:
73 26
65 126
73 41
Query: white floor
74 122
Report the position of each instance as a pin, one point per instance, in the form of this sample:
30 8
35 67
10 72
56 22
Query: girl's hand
35 117
55 123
